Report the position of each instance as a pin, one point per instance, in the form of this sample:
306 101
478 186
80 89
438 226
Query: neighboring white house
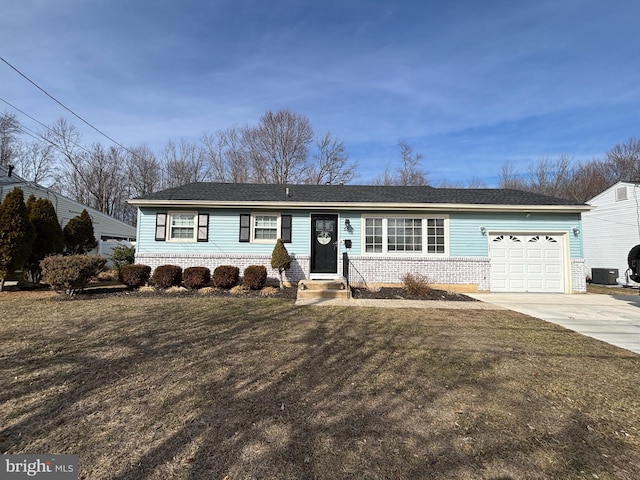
612 229
107 230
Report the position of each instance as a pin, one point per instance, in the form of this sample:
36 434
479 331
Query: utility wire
65 107
41 137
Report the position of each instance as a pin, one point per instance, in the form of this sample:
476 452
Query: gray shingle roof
245 192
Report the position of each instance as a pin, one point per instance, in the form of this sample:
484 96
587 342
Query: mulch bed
385 293
395 293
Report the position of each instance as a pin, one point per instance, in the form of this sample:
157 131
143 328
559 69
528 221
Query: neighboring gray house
107 230
465 239
611 230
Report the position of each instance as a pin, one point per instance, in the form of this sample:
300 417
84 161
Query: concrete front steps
318 289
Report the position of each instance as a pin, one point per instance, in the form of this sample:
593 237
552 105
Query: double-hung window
182 227
405 235
265 227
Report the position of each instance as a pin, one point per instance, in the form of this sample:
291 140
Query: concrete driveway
614 319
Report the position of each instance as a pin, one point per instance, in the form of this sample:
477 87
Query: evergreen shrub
135 275
226 276
255 277
166 276
196 277
71 274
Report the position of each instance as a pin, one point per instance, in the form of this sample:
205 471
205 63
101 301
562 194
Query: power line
65 107
41 137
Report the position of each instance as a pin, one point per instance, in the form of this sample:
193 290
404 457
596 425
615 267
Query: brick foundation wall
448 271
363 269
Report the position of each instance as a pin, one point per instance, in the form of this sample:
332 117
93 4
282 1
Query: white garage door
526 263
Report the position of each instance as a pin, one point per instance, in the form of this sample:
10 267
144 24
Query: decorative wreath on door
323 237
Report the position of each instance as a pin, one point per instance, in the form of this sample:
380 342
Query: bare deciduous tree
409 173
279 147
35 162
550 177
623 161
588 180
508 177
226 156
144 171
184 163
547 176
9 130
331 163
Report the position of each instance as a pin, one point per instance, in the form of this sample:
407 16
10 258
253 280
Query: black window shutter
161 227
245 227
285 228
203 227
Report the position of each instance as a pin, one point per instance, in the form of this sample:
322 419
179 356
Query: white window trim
253 239
194 238
423 253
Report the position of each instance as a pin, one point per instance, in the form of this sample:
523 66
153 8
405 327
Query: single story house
107 230
462 239
610 230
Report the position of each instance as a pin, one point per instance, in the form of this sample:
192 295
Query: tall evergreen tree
78 234
48 238
16 234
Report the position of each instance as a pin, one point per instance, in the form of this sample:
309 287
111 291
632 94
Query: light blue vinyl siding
466 239
224 228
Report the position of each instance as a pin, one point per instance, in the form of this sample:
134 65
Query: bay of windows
413 235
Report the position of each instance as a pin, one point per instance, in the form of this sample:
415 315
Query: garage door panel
552 269
526 263
515 268
515 254
535 285
534 269
534 253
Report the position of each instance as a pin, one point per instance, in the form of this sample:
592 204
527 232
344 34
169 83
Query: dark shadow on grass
264 389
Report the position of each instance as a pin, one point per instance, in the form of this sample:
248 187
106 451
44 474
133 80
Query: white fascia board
406 207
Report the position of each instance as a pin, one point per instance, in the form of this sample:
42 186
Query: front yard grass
241 388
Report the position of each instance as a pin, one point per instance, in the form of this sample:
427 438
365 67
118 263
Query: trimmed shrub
196 277
255 277
71 274
225 276
134 276
280 259
166 276
416 284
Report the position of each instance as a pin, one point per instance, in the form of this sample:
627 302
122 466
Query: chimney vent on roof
10 170
287 192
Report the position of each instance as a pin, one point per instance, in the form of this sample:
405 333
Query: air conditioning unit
604 276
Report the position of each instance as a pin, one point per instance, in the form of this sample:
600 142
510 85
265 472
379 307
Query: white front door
526 263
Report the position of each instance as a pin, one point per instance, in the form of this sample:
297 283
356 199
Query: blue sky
469 84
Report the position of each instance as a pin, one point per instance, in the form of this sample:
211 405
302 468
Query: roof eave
369 206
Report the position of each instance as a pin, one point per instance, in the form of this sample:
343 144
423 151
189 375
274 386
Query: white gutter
362 206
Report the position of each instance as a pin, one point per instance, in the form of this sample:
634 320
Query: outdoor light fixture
347 223
576 231
482 230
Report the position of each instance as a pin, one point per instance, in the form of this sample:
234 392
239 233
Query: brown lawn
241 388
